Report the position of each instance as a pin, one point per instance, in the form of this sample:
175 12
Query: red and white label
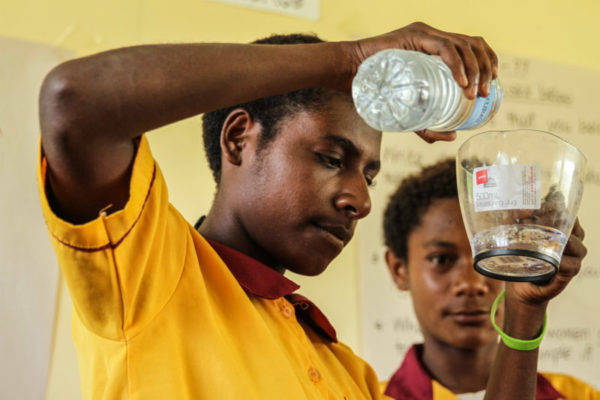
506 187
481 177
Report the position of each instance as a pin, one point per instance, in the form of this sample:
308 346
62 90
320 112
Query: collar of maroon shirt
411 381
257 279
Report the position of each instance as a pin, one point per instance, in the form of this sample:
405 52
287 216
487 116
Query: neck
222 225
460 370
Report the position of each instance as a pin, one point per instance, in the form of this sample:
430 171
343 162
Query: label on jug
506 187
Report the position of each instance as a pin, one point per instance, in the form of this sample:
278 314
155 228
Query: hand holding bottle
439 104
472 61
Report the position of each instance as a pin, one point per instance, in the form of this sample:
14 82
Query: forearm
128 91
514 373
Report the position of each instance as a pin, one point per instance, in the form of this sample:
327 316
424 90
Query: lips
469 316
341 232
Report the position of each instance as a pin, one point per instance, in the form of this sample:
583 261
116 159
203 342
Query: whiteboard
28 270
538 95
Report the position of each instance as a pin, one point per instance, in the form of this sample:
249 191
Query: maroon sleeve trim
118 242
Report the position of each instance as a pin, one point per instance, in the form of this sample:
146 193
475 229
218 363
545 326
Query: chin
473 342
309 267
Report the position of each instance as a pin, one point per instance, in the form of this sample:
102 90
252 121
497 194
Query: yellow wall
547 29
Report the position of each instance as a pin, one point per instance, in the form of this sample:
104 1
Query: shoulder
571 387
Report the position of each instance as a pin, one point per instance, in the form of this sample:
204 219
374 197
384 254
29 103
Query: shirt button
314 375
286 311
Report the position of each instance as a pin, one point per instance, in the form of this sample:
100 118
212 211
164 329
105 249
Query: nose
469 282
354 199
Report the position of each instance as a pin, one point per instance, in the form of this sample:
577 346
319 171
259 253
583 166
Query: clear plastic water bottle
401 91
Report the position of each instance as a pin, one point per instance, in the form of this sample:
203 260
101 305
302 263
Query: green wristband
514 343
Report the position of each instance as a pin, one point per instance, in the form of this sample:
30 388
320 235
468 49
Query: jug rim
525 130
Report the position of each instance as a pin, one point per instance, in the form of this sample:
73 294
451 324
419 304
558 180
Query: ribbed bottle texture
400 90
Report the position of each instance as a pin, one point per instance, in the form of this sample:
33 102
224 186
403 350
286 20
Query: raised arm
91 108
513 374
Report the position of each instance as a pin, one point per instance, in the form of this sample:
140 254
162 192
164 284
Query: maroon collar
545 391
255 277
411 381
259 280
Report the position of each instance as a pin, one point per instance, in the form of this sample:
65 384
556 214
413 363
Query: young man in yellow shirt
165 311
429 254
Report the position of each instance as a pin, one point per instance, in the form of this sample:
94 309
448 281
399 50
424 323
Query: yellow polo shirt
159 315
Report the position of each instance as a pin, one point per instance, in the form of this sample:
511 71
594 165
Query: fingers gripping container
401 91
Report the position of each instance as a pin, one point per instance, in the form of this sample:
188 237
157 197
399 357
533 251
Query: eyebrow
439 243
350 147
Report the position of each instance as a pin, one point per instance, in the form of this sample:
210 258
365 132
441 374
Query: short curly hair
268 111
412 199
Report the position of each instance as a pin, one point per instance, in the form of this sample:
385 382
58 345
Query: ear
239 131
398 268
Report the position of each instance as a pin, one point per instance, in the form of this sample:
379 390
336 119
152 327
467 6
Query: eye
371 182
330 161
441 260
